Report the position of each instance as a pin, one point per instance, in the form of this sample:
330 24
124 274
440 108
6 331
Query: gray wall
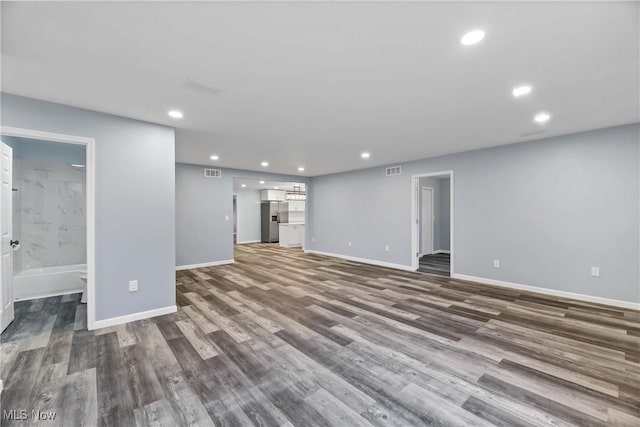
202 233
248 215
135 200
548 209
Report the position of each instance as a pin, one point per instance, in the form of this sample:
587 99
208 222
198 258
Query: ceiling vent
394 170
212 173
200 85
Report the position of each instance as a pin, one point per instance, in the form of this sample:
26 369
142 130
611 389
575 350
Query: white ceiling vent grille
212 173
394 170
200 85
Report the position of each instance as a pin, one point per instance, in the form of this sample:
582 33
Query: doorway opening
47 219
432 223
269 212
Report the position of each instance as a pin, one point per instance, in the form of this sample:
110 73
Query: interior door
6 227
426 220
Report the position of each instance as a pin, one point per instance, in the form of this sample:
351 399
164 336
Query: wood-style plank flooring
439 264
285 338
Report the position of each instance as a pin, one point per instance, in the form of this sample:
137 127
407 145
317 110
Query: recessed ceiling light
365 155
175 114
300 169
472 37
214 157
77 165
264 164
275 188
542 117
521 91
261 182
243 185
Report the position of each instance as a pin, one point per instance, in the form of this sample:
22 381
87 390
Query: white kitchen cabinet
296 205
291 235
272 195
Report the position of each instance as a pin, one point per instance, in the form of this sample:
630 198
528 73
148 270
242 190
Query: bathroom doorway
432 223
48 222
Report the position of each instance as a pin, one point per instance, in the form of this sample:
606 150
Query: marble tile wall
49 214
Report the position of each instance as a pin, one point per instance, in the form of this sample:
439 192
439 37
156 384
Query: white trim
204 264
113 321
46 136
90 167
442 251
415 242
248 241
362 260
552 292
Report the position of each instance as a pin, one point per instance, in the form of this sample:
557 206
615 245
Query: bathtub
48 281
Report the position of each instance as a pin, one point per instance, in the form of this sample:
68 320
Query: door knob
14 243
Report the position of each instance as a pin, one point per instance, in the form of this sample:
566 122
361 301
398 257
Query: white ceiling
315 84
252 184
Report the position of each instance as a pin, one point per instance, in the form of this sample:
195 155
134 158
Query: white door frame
421 228
90 163
415 229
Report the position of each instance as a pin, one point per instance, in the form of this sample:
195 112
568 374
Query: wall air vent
212 173
394 170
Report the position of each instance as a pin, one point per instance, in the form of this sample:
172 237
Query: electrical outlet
595 271
496 263
349 243
133 286
226 217
386 248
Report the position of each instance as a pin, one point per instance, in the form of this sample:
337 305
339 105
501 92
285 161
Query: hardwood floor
286 338
439 264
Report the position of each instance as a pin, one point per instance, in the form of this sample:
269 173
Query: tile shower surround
49 212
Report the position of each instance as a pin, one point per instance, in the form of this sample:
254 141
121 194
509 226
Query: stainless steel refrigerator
272 214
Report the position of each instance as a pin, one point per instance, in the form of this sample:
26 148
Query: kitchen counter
291 234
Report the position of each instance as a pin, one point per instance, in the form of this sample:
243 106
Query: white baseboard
363 260
98 324
552 292
248 241
204 264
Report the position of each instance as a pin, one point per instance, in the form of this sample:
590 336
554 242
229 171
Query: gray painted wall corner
548 209
135 200
203 235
